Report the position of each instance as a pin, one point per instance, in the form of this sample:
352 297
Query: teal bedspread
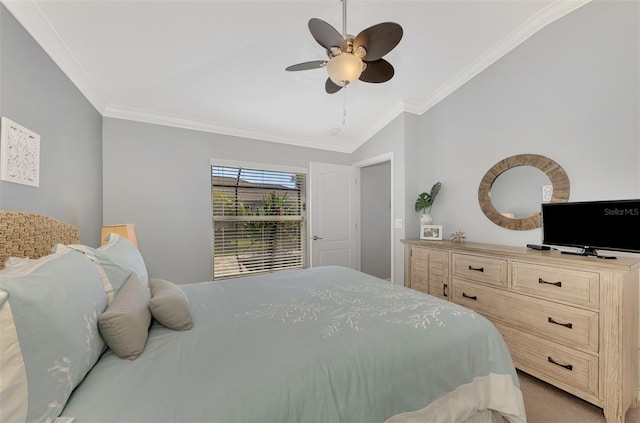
326 344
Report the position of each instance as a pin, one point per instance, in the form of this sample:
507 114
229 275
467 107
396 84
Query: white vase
426 219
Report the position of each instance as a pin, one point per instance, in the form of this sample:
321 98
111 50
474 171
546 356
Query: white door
333 222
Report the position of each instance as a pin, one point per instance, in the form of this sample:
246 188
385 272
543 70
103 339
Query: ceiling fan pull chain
344 107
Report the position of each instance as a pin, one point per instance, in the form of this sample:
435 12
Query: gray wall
375 219
570 92
401 138
159 178
37 95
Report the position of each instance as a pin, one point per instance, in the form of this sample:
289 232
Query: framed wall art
19 154
433 232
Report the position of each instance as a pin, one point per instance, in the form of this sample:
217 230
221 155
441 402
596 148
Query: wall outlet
547 193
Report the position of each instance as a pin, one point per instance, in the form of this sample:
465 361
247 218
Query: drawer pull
558 284
566 325
471 297
444 290
477 269
566 366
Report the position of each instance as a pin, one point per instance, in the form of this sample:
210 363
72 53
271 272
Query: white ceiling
218 66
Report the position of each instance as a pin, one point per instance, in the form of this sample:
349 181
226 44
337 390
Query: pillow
49 336
106 283
18 261
118 258
125 324
169 305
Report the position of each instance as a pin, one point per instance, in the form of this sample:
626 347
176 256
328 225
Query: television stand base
589 252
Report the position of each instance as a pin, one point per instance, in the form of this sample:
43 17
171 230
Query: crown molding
379 124
139 115
347 146
551 13
31 17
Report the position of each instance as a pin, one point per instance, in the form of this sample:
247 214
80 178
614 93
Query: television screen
593 225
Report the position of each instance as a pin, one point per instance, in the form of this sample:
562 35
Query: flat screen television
592 226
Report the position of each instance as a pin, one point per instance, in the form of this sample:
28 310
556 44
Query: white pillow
18 261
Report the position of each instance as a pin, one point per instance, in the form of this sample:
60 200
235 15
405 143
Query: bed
326 344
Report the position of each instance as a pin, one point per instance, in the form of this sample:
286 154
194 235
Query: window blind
258 221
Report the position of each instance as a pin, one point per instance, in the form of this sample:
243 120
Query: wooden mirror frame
555 173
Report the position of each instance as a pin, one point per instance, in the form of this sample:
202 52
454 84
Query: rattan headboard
25 234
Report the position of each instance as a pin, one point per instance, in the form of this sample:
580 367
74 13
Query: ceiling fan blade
377 71
378 40
326 35
331 87
307 65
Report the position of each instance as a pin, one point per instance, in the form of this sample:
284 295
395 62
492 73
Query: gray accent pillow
169 305
124 326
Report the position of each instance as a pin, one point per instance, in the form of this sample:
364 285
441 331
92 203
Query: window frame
268 167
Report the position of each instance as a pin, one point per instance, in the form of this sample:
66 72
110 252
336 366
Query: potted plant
424 201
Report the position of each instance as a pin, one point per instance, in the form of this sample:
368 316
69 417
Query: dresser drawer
569 326
567 285
556 364
481 269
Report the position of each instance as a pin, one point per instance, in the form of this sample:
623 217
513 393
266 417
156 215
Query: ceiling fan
350 57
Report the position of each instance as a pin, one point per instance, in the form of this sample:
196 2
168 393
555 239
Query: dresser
571 321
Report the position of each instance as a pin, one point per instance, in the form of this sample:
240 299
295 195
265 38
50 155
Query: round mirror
518 191
511 191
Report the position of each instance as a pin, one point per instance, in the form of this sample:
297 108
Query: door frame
386 157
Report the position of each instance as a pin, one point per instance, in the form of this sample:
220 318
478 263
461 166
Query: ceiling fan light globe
344 69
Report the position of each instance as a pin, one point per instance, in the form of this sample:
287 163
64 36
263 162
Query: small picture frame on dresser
431 232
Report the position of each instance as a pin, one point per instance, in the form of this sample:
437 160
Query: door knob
316 237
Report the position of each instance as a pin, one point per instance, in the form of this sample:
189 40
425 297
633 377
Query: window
258 220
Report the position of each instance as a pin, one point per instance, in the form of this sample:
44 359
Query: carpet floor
547 404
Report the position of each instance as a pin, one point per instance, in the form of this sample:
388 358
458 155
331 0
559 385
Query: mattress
326 344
